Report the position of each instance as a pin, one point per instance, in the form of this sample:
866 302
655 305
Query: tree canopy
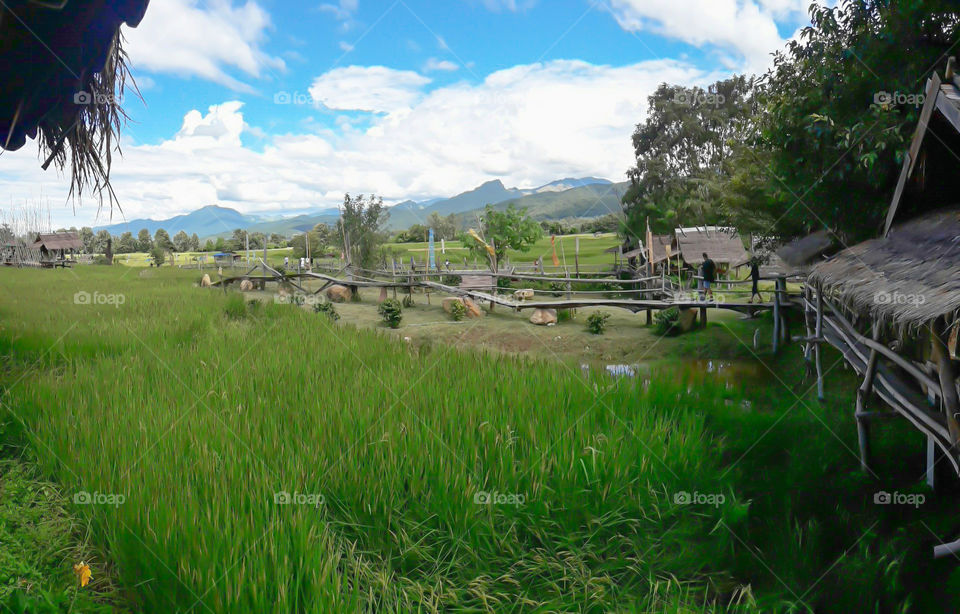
782 155
511 228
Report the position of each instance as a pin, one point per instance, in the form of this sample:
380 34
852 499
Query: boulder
688 319
449 301
205 282
523 295
473 310
339 294
544 317
246 286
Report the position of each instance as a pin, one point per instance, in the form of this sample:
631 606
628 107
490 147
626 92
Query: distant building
57 245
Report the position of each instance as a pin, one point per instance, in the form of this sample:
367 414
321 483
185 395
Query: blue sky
280 107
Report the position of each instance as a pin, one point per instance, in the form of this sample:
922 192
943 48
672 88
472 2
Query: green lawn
435 477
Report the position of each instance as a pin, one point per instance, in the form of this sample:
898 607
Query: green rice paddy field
219 456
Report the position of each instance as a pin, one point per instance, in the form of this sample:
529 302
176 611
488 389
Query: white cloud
526 125
343 11
433 64
180 37
509 5
368 88
745 28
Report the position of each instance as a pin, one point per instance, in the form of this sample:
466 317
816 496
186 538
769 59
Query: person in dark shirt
755 277
709 275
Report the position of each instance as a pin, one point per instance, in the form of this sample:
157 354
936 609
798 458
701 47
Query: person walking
709 272
755 278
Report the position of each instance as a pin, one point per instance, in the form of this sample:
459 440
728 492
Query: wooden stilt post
776 322
781 285
703 317
649 317
948 387
863 392
806 322
816 348
931 477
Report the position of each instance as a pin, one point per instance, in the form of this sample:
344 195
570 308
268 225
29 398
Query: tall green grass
201 411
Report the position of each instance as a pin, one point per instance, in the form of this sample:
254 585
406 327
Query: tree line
815 143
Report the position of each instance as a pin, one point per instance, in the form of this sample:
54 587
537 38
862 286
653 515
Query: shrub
667 321
597 322
503 283
458 311
564 315
390 310
327 309
451 280
557 288
408 302
298 299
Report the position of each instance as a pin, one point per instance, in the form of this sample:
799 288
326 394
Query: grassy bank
438 478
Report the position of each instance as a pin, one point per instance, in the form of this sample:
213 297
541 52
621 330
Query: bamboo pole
863 426
948 387
816 348
776 322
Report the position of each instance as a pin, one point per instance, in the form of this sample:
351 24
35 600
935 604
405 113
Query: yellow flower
83 572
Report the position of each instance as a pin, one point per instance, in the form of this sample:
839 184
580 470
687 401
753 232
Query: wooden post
776 322
703 317
576 256
931 463
816 348
649 317
806 323
863 392
394 277
948 388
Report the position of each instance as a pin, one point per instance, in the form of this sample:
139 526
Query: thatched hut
63 70
722 245
56 246
901 290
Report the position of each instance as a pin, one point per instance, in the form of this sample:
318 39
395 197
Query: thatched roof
805 250
58 240
722 245
941 108
908 278
63 70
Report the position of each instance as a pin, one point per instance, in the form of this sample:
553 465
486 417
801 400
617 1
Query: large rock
688 319
205 282
339 294
449 301
523 295
544 317
473 310
246 286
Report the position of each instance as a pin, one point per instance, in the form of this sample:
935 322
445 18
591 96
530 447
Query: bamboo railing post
816 348
863 426
806 323
948 387
776 321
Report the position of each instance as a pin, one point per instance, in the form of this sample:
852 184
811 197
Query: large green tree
838 109
144 241
361 227
682 150
181 242
511 228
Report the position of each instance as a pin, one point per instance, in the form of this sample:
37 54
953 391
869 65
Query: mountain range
586 197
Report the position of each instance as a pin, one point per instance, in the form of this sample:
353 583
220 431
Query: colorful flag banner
433 263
